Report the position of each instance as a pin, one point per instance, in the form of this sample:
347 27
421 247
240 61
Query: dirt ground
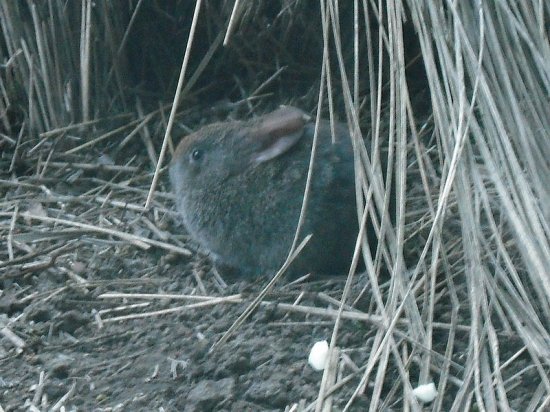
163 361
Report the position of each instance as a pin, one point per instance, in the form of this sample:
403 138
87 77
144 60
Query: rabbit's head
219 151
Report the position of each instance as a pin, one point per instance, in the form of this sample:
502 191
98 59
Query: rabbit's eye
196 155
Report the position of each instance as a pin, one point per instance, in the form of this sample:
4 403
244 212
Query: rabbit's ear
277 132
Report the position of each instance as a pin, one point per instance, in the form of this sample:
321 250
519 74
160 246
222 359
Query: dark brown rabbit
239 187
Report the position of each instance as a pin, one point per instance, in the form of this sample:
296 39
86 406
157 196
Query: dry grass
467 146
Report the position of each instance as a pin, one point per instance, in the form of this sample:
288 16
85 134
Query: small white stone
425 393
318 355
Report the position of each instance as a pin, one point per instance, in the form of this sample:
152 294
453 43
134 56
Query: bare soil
161 361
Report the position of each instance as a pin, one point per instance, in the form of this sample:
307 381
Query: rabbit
239 188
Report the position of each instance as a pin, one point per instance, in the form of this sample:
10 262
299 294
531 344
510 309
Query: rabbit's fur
239 188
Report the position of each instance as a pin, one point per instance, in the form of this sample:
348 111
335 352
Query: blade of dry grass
138 241
175 102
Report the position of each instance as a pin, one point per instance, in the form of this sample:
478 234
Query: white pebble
425 393
318 355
